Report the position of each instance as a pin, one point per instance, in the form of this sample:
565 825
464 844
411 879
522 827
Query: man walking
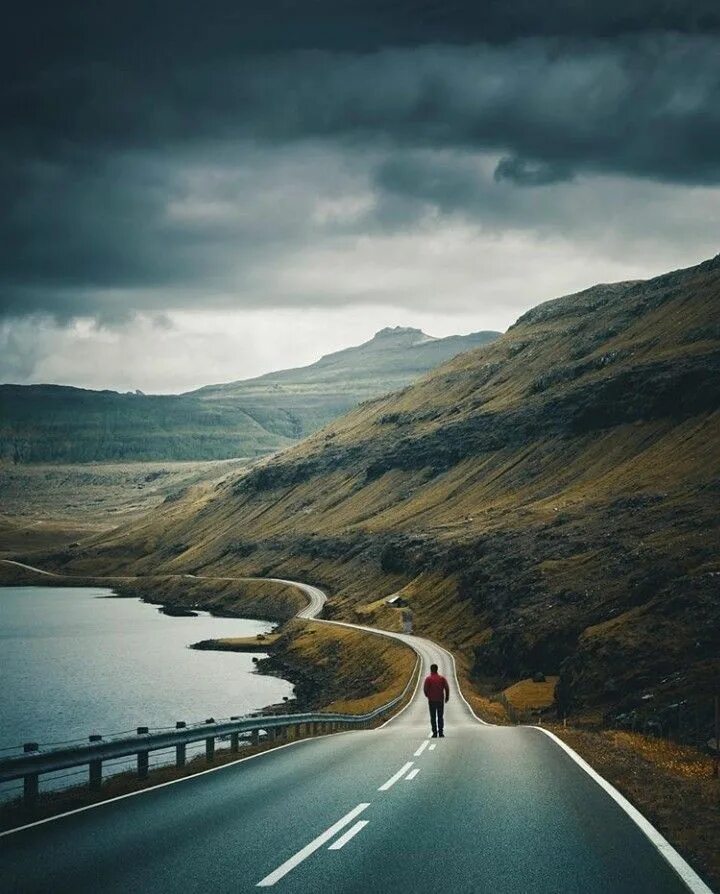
437 692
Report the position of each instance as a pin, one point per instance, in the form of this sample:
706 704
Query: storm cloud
159 158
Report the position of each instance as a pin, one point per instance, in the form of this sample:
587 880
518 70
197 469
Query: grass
526 695
341 670
260 643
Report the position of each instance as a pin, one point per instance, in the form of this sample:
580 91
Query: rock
538 677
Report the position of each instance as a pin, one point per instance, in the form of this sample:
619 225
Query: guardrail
33 763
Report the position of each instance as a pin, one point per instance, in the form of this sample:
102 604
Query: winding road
486 809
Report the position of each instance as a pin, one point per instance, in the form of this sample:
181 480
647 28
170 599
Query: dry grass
360 671
379 614
240 643
527 695
486 708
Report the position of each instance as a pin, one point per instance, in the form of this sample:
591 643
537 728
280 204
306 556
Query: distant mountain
56 423
296 402
546 504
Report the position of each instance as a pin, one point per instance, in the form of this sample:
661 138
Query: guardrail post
95 775
95 769
31 789
255 737
210 743
31 782
143 758
234 742
180 750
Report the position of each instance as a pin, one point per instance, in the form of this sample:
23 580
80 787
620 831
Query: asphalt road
486 809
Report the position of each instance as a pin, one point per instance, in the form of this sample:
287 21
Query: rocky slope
545 503
56 423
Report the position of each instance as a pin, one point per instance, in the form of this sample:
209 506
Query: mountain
55 423
545 503
311 396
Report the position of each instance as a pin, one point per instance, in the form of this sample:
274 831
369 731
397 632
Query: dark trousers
437 716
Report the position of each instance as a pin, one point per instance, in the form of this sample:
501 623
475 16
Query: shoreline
168 610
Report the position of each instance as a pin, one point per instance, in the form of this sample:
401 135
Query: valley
50 506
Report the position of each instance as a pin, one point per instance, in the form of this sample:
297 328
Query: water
75 662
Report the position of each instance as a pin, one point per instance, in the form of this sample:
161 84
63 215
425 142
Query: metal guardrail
30 765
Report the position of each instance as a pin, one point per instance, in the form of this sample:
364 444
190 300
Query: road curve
486 809
316 597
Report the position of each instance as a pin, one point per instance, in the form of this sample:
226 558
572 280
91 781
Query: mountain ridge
425 350
248 418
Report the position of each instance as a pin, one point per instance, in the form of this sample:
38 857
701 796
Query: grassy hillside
545 503
56 424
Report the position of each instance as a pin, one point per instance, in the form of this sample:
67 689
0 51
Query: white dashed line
351 833
412 774
314 845
422 748
394 778
433 747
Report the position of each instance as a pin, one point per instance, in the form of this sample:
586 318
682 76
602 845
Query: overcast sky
192 193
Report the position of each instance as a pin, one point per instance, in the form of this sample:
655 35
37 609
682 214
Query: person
437 692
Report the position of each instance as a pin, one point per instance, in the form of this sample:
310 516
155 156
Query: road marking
154 788
393 779
314 845
683 869
351 833
433 747
412 774
421 748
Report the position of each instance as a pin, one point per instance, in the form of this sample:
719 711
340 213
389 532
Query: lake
77 661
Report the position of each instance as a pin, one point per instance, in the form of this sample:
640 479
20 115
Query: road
486 809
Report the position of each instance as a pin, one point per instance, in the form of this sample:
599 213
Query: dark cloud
150 149
528 173
648 105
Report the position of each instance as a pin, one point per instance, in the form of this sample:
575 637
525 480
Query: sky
195 193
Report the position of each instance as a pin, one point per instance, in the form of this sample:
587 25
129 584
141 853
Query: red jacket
436 688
